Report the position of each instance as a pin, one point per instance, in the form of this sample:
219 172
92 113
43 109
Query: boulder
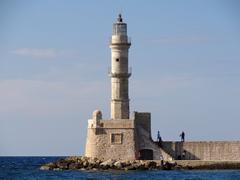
150 164
168 165
130 167
118 165
85 164
45 167
74 165
62 164
108 163
57 169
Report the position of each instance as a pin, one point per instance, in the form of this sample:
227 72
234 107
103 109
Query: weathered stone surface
202 150
100 142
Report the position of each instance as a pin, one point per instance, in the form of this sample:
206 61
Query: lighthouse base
124 139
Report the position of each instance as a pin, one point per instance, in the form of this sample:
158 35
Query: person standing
182 135
159 139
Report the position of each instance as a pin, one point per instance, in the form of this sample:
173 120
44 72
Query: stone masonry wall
143 137
203 150
111 139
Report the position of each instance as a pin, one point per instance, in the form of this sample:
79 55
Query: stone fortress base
131 139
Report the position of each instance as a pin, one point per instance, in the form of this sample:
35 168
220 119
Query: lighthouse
120 72
120 137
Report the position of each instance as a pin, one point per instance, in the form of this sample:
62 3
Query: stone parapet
202 150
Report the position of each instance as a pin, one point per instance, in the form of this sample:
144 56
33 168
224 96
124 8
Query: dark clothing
182 135
159 139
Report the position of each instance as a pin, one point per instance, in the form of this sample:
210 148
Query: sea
28 168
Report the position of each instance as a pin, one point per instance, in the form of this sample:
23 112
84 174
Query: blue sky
54 57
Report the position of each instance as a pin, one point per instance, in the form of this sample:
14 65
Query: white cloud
44 53
36 53
41 98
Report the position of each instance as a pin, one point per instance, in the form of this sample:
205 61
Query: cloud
41 98
41 53
36 53
34 113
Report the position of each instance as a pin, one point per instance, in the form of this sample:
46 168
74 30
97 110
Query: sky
54 59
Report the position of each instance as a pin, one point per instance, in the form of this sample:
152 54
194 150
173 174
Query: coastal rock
150 165
74 166
62 164
85 163
108 163
131 167
168 165
45 167
118 165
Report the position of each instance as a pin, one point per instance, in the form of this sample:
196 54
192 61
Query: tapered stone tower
121 136
120 72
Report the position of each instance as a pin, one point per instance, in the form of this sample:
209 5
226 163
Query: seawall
203 150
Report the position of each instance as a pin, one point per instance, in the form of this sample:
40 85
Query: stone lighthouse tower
120 72
121 136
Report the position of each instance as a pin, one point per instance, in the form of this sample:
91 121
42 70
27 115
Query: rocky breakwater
85 163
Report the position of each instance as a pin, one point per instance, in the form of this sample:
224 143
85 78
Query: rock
108 163
159 165
74 166
45 167
84 158
62 164
130 167
168 165
49 166
141 165
118 165
93 163
72 158
85 164
150 165
57 169
126 163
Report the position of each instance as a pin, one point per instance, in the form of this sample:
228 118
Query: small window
116 138
117 60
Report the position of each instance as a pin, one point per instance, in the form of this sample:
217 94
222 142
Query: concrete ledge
199 164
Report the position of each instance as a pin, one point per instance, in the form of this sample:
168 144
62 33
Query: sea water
28 168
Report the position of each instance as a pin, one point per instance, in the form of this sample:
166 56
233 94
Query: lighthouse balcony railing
120 40
119 74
